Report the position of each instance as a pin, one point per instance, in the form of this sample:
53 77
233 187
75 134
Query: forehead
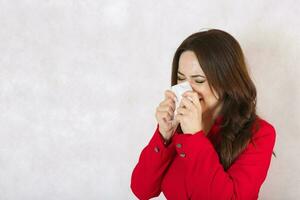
188 64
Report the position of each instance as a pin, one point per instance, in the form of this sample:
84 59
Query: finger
166 109
182 111
169 103
168 125
194 96
175 123
178 118
187 103
165 115
170 94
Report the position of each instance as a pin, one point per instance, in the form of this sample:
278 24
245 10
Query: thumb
175 124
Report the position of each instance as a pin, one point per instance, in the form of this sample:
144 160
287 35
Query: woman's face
190 70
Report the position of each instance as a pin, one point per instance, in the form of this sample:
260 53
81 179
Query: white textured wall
80 82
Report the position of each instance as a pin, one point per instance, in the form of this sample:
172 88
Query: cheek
203 93
207 100
203 101
202 96
201 90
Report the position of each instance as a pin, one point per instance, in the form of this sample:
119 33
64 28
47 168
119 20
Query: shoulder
263 131
264 127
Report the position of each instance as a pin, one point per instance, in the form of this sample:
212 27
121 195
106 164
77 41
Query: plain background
80 82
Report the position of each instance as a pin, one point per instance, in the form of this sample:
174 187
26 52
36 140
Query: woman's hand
164 115
189 113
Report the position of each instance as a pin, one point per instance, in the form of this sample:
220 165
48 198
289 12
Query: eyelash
196 81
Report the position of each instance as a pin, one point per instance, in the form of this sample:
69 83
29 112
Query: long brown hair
222 60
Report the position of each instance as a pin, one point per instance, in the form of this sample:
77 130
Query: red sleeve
153 162
206 176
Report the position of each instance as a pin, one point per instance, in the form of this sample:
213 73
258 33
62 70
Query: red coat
189 167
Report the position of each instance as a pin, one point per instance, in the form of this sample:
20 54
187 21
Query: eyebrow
192 75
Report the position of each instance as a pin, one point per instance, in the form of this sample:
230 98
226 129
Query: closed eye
195 81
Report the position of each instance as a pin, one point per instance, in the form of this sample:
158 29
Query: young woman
219 148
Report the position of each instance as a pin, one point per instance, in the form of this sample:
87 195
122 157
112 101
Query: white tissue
179 89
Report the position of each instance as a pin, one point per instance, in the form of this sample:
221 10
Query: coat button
182 155
156 149
178 145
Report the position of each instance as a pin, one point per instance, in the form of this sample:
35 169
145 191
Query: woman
219 148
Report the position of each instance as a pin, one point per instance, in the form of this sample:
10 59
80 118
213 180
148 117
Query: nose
191 83
193 87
